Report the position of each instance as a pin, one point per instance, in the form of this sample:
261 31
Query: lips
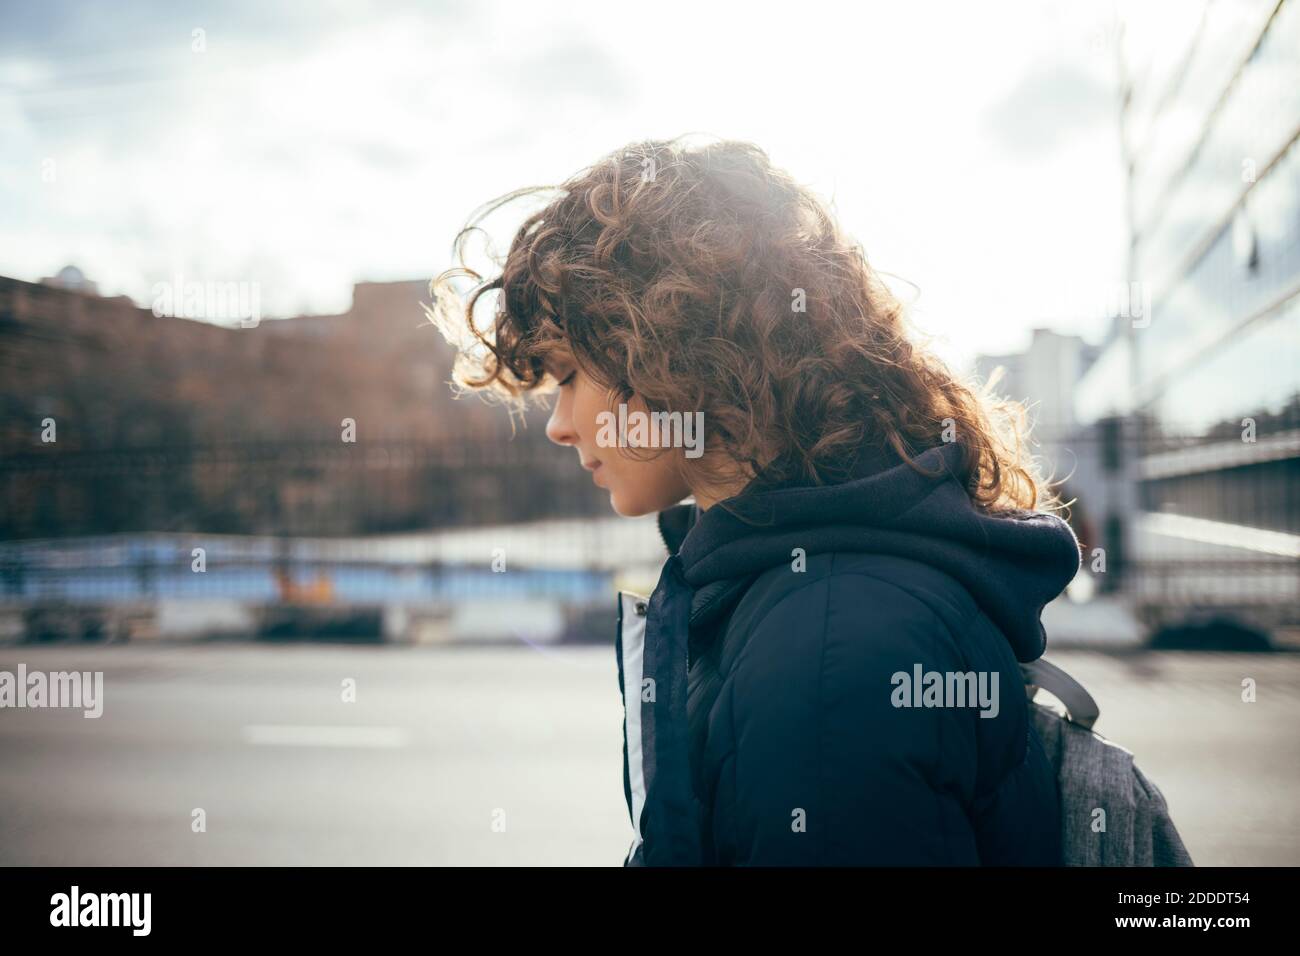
591 465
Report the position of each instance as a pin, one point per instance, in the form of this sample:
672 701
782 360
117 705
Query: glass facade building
1201 397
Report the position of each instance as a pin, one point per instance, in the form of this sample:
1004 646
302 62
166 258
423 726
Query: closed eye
568 378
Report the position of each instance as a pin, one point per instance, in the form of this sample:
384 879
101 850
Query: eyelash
569 378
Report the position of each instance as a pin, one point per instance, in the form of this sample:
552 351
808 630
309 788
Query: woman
827 671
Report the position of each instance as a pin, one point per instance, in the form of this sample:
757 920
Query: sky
971 148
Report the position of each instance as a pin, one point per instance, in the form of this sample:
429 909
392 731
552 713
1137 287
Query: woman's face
636 485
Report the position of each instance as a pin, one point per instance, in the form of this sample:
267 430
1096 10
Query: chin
630 509
636 505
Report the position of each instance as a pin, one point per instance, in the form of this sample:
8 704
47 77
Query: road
488 756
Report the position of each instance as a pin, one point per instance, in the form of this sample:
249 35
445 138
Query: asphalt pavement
221 754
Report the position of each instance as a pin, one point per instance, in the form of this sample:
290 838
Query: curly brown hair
701 278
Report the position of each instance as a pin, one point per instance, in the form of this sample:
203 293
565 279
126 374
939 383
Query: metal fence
1196 531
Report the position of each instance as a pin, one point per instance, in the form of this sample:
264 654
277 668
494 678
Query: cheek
639 487
588 403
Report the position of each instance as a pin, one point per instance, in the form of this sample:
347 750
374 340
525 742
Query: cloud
1049 105
309 147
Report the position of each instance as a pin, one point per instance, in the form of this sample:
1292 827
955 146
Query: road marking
295 735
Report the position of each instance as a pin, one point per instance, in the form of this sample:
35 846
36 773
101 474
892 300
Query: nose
559 427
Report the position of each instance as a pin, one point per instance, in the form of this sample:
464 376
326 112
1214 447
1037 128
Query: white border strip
633 642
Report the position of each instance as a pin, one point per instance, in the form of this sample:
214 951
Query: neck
734 479
706 498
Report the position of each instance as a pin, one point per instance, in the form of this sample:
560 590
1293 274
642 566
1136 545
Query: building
1194 402
118 420
72 279
1045 377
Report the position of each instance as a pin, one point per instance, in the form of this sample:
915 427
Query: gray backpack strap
1079 705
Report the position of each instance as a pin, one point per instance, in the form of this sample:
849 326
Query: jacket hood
1012 564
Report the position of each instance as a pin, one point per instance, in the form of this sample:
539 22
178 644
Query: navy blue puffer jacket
830 676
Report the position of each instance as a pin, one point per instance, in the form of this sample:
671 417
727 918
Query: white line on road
291 735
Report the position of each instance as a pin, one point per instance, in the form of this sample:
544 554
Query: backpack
1095 774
